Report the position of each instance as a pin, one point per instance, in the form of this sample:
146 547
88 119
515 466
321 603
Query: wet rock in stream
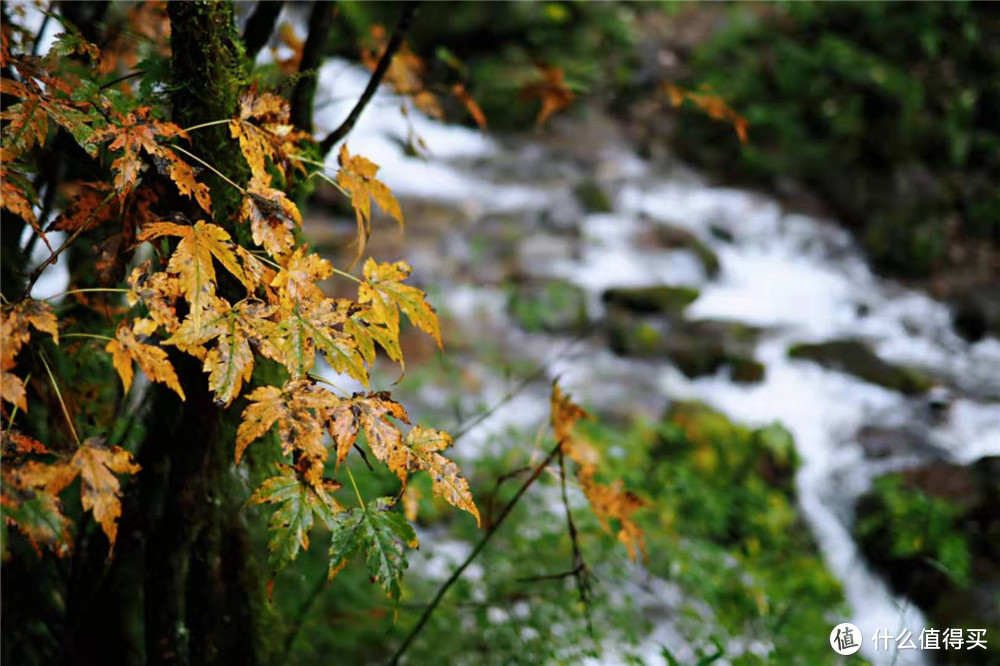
855 358
696 348
661 299
673 237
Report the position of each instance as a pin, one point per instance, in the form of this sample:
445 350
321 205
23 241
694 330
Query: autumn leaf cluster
191 289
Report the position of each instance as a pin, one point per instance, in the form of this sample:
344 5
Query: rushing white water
800 278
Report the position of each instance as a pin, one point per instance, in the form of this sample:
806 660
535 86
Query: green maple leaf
382 534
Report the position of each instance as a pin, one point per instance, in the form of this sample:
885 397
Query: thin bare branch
405 19
418 627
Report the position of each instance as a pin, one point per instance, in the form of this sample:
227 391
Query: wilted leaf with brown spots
125 349
18 196
614 502
305 326
158 292
565 414
298 276
423 446
191 261
384 289
272 217
15 324
100 491
298 408
137 133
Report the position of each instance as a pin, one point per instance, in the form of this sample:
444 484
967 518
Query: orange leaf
125 349
551 90
463 96
100 491
357 177
298 408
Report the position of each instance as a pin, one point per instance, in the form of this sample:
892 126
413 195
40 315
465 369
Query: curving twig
37 273
472 556
580 571
405 19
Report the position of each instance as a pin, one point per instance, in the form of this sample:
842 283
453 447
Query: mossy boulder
592 197
934 533
659 299
549 306
696 348
745 370
676 238
730 452
855 358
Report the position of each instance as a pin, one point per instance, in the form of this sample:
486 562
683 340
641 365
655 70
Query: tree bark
204 597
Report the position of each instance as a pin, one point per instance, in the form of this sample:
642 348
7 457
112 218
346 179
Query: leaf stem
87 335
203 125
210 167
353 483
83 291
55 387
347 275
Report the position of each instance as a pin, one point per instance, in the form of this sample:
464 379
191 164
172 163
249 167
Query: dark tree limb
405 19
320 22
259 26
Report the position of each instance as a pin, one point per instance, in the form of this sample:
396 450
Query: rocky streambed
641 285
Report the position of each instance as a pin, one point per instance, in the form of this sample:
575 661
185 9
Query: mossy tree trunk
184 585
204 595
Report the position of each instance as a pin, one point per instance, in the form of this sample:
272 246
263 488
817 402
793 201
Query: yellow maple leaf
272 217
100 491
15 324
423 446
298 276
383 288
298 408
191 261
308 325
125 349
357 178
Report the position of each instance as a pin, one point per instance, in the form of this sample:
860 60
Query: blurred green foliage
916 527
890 112
493 47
